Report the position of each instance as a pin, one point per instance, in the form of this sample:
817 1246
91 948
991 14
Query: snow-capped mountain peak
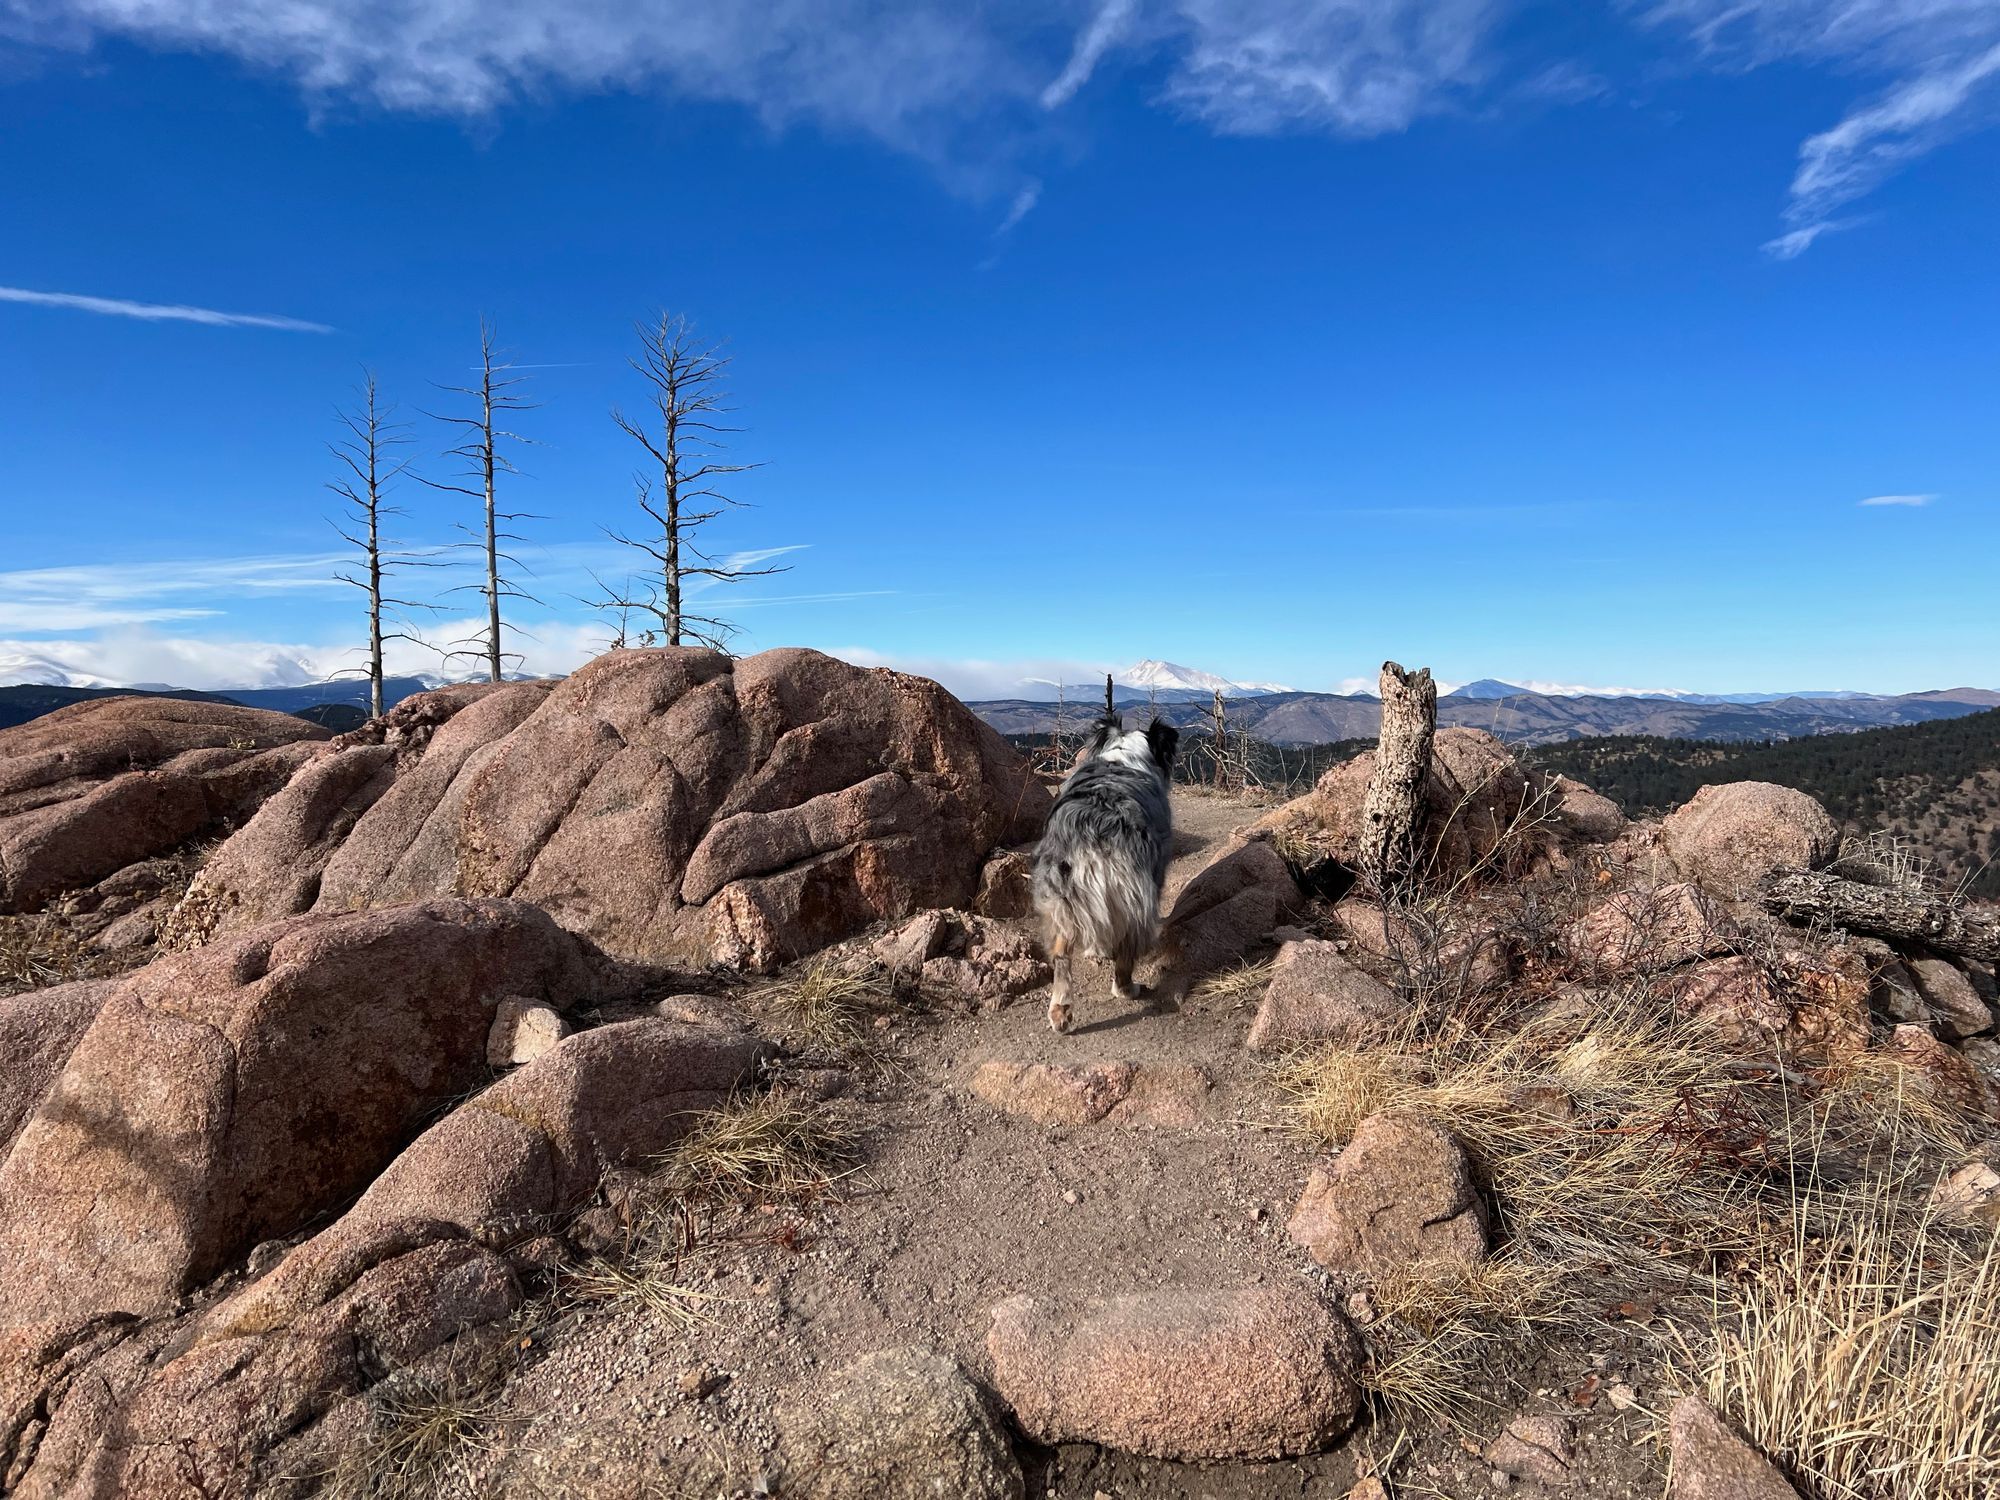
1169 676
42 671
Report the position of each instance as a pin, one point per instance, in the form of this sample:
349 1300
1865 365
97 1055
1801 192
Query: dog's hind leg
1059 992
1127 952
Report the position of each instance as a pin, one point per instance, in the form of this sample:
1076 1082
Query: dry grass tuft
1639 1167
423 1437
826 1008
772 1145
1887 859
644 1279
1439 1327
1235 985
1866 1353
42 950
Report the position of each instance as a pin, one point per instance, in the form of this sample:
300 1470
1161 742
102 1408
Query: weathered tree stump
1392 809
1940 924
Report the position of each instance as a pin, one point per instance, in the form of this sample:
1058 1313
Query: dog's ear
1161 739
1109 727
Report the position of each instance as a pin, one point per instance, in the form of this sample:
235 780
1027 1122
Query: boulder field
670 805
95 787
425 1024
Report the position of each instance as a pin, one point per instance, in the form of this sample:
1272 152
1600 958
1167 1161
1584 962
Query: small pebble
701 1382
1070 1197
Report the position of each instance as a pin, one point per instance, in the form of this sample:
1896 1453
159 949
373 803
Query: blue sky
1561 344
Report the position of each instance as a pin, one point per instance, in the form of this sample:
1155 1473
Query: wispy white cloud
1353 67
110 595
1109 26
976 678
1795 242
126 584
968 87
57 614
1911 500
92 623
938 78
1943 57
1567 82
1023 205
904 73
733 562
157 312
137 655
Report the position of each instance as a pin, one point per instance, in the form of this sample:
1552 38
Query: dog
1102 862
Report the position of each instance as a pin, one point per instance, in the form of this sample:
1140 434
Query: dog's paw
1058 1017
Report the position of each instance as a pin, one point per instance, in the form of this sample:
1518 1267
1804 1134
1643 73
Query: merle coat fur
1103 858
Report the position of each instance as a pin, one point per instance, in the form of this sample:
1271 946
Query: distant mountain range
1522 716
26 701
1184 696
1162 678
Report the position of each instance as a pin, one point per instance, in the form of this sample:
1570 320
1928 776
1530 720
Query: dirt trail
958 1206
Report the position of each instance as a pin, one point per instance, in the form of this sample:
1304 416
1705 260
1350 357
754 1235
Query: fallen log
1938 922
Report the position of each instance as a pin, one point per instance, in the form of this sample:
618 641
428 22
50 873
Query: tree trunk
1392 810
374 606
671 478
492 544
1221 732
1907 916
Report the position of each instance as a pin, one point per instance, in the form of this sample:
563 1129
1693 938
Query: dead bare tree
369 454
1393 805
683 437
1059 738
497 395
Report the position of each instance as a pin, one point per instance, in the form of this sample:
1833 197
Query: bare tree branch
683 388
496 393
368 454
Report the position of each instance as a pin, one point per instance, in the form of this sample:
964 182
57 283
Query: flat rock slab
962 955
227 1096
1316 995
1400 1194
1124 1093
1229 908
1249 1372
1649 930
902 1424
1954 1004
1540 1448
1710 1462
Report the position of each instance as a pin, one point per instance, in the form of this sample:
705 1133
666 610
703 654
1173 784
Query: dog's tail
1098 904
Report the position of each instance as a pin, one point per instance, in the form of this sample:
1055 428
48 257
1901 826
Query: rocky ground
640 1086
